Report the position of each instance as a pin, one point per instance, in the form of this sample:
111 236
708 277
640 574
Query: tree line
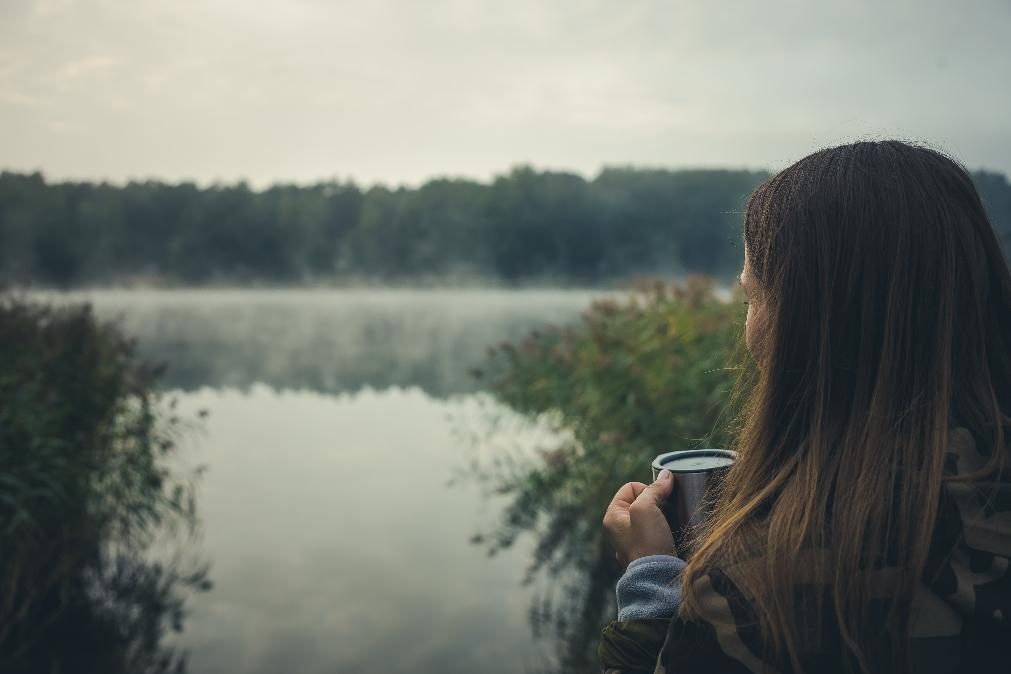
523 226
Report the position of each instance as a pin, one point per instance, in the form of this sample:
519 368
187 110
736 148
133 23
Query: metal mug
696 473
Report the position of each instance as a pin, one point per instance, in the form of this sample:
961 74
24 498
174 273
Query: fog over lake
329 340
336 421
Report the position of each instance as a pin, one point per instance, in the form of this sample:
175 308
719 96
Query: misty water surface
326 340
336 419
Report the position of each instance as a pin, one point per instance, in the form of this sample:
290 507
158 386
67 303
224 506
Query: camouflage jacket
961 616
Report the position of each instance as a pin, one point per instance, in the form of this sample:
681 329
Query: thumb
658 492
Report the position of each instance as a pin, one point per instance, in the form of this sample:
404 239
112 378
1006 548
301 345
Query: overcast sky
398 91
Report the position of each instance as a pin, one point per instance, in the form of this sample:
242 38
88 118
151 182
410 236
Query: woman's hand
634 523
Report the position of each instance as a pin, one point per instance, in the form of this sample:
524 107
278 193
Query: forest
523 227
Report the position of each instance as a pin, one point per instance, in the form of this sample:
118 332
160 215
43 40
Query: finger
655 494
627 494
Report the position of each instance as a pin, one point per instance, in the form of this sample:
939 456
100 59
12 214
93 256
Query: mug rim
658 462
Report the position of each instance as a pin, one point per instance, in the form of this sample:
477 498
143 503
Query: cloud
398 90
47 9
86 67
17 99
60 126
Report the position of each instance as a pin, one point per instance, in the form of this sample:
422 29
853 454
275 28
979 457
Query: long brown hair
888 319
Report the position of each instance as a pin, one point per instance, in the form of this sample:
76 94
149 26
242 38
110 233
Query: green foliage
84 492
525 226
635 378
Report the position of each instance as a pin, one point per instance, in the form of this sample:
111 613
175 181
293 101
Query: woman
866 526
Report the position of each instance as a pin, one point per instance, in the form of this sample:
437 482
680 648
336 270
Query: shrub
84 493
635 377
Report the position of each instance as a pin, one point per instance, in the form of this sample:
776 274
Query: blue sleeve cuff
650 588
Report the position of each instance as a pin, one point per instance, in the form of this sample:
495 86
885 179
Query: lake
337 536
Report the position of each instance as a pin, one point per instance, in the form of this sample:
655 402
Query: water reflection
337 546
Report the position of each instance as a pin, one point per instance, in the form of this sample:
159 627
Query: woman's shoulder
968 574
724 637
971 543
